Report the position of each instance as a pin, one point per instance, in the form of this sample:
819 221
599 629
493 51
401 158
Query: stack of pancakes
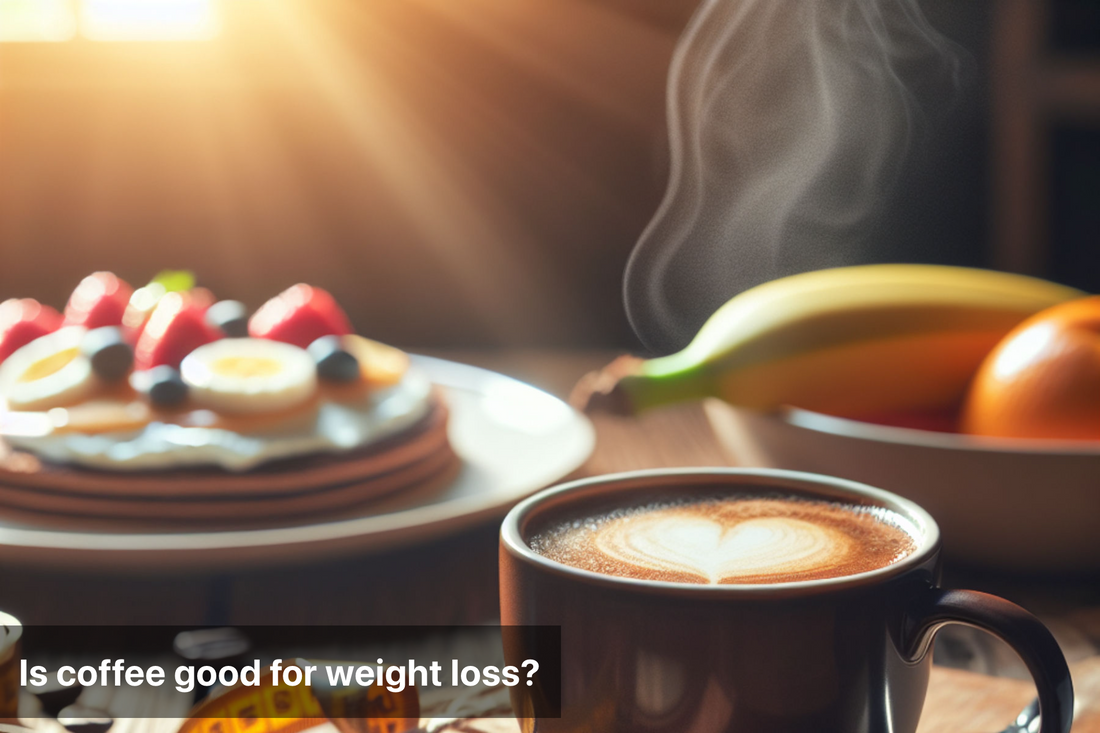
417 462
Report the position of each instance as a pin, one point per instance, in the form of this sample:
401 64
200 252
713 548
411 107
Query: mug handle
936 608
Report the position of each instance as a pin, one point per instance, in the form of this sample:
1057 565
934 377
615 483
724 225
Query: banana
48 372
249 376
849 341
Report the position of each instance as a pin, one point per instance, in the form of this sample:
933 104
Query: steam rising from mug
788 122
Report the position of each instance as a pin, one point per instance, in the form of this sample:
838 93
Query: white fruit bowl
1006 504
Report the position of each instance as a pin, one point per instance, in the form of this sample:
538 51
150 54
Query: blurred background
469 173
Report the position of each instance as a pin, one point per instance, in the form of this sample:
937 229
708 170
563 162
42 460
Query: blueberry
109 353
334 362
230 316
166 388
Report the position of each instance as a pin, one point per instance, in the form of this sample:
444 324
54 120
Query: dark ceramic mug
848 654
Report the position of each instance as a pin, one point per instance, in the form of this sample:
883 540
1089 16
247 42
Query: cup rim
827 487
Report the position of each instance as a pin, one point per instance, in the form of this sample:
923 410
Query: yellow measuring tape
282 708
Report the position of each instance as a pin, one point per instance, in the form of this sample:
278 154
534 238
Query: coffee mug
847 654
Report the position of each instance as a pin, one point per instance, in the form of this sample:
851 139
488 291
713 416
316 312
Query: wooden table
978 685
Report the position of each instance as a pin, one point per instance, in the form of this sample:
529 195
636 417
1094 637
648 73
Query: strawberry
22 320
145 300
141 306
99 300
299 315
176 327
203 297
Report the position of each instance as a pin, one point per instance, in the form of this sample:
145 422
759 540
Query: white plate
513 440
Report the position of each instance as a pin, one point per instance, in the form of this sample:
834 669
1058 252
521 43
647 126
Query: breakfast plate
511 439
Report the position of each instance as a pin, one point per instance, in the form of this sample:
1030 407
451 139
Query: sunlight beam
36 20
149 20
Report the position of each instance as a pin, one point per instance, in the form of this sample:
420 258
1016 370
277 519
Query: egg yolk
246 366
52 364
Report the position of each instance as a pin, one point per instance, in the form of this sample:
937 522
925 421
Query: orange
1043 379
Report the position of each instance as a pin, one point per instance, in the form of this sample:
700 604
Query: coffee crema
729 540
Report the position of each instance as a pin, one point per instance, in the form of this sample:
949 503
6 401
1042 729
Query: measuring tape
282 708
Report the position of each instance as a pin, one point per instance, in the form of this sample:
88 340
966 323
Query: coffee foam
735 540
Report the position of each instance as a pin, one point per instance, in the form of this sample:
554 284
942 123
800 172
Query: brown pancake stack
414 463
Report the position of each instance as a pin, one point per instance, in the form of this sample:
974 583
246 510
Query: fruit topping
334 362
108 351
22 320
48 372
174 281
146 298
380 365
230 317
299 315
99 300
202 297
140 307
176 327
162 384
249 376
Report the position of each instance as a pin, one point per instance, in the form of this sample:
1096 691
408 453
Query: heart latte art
729 541
705 547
